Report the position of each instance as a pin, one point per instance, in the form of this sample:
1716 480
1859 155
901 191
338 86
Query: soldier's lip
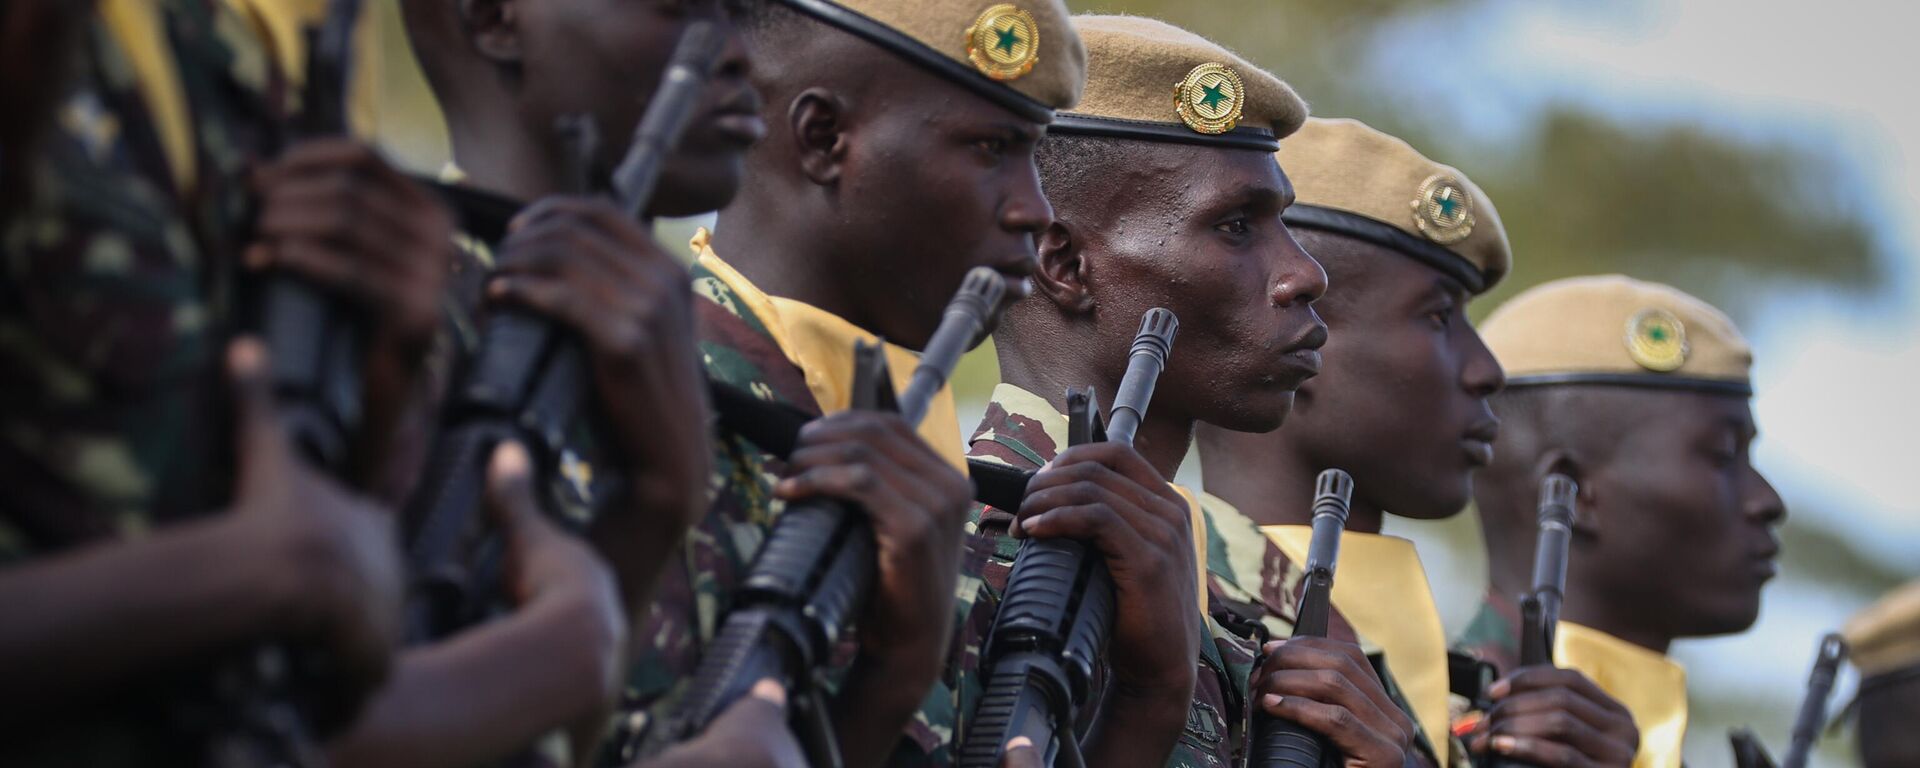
1479 452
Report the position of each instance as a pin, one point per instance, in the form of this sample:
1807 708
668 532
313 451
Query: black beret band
1244 137
904 46
1642 380
1387 236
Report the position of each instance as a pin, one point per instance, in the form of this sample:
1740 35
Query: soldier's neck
787 251
502 156
1164 436
1277 489
1586 607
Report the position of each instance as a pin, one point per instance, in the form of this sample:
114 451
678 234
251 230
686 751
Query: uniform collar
1651 685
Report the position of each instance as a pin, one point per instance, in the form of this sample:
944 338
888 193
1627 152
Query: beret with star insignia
1613 329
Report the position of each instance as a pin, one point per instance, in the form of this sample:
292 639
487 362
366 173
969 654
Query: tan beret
1613 329
1023 55
1150 80
1351 179
1886 636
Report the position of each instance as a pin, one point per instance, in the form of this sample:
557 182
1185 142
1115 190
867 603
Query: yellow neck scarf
139 30
1652 686
1382 589
821 344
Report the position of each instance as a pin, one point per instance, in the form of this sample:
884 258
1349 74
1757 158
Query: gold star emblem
1210 98
1657 340
1004 42
1442 209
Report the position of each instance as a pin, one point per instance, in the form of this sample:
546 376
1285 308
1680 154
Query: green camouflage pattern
1253 591
1023 430
114 309
696 588
118 292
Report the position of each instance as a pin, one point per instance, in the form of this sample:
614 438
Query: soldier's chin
692 188
1257 413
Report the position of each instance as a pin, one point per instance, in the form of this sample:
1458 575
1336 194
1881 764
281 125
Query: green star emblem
1008 39
1657 333
1214 95
1447 203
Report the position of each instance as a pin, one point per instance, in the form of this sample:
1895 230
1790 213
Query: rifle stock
812 577
1041 657
1280 743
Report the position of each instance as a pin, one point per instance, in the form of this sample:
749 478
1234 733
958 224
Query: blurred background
1763 155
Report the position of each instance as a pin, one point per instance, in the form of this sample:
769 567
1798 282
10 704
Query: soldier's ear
1062 273
817 121
494 28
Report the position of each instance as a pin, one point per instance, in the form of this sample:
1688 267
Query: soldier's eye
1239 226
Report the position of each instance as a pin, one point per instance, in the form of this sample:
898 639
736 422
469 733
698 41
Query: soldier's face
1197 230
606 58
929 181
1402 401
1683 525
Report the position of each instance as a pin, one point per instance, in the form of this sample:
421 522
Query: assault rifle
1044 649
1748 752
812 577
1540 608
267 705
528 380
1280 743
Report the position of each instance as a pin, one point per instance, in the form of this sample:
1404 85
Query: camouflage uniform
695 588
1251 589
1024 431
114 309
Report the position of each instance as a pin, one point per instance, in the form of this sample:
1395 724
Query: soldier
125 241
1172 204
1401 405
898 156
506 74
1639 392
1884 643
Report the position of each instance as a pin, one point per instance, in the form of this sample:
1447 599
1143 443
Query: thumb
1020 753
764 706
510 492
259 436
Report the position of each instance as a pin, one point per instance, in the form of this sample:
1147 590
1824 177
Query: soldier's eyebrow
1256 197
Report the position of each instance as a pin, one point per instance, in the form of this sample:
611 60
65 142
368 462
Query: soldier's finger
856 483
1560 728
510 501
1154 529
1058 475
1586 711
1539 752
1124 461
323 154
1340 725
887 434
1344 659
262 437
1020 753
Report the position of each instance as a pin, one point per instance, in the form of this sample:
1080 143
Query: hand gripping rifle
527 382
1750 753
1540 608
260 716
813 575
1044 649
1280 743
